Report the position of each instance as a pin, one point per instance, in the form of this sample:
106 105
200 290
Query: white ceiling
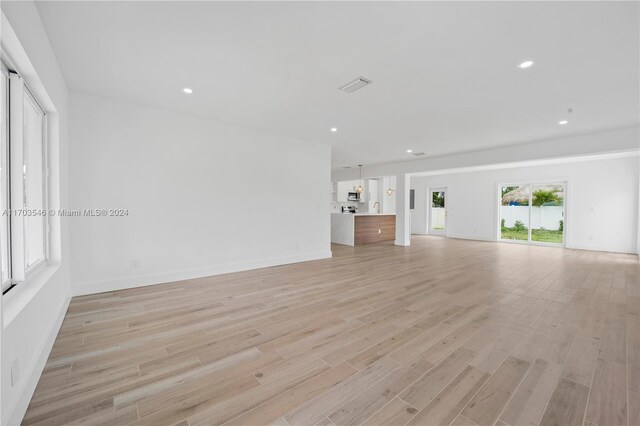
445 75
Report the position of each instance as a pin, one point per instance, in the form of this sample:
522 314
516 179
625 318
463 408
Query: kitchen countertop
366 214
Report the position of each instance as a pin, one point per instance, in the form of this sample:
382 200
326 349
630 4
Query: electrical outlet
15 372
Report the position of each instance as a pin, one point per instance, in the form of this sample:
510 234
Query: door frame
430 191
565 226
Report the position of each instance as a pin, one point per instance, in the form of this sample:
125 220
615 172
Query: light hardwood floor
441 332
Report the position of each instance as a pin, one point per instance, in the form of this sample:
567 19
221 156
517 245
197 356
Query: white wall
32 312
599 191
374 197
203 197
388 200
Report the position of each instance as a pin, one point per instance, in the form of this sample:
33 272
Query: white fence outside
437 217
547 217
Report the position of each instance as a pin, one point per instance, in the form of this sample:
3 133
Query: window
33 169
4 177
23 181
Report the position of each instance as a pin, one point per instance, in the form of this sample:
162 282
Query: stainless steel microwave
353 196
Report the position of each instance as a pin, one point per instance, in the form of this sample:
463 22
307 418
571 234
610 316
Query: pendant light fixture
360 189
390 191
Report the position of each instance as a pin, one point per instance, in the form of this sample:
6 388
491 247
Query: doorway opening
437 211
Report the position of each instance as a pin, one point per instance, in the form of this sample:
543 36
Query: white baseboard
25 394
145 280
461 237
599 248
568 245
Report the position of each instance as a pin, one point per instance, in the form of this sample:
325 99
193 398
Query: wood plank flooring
442 332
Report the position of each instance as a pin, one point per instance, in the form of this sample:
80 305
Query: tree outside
437 199
543 197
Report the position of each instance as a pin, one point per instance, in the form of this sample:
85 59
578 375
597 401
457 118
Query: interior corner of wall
16 413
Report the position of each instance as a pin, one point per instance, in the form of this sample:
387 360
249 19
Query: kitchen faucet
374 206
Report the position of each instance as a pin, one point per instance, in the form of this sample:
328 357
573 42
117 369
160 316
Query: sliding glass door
547 213
514 212
532 213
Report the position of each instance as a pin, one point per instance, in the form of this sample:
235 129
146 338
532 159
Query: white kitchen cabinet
343 189
372 193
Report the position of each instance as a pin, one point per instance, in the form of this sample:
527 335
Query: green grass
539 235
546 236
513 234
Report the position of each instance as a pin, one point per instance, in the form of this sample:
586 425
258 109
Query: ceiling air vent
356 84
419 154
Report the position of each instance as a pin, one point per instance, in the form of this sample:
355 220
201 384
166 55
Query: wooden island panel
374 228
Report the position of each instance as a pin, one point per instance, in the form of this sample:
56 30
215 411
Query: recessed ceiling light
563 122
409 150
187 90
333 129
525 64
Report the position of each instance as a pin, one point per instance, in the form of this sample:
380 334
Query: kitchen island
362 228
